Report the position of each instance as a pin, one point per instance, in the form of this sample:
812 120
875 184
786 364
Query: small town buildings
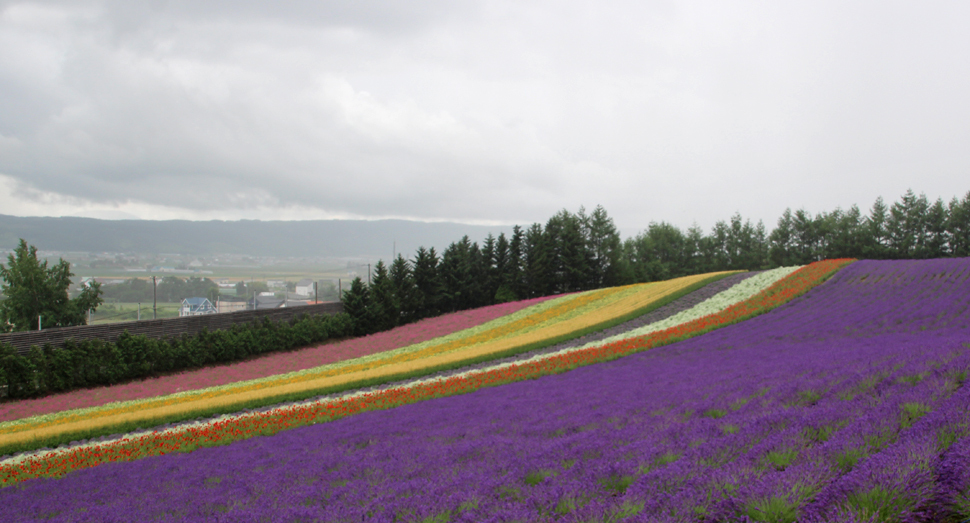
232 305
304 287
196 307
265 302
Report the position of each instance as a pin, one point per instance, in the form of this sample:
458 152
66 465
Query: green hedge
92 363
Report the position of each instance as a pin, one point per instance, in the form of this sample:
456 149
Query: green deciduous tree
33 290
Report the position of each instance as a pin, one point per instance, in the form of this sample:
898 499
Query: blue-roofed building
196 307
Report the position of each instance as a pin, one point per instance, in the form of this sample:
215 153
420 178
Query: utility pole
340 291
38 323
368 274
316 293
139 311
154 299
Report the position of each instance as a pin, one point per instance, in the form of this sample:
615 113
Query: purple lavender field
849 404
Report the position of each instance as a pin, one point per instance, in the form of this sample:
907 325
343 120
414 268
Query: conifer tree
405 291
513 278
876 235
384 306
428 282
958 226
536 265
356 302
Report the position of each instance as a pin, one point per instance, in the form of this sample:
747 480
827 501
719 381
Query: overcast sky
480 112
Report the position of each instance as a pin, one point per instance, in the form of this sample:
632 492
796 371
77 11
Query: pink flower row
269 365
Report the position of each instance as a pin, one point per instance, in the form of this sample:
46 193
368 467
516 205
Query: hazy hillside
335 238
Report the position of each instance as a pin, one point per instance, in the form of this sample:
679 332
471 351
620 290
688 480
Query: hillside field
828 392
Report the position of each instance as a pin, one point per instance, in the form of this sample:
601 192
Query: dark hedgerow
92 363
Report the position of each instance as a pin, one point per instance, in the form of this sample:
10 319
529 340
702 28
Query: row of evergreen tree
580 251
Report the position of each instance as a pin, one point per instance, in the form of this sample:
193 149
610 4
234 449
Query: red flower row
247 426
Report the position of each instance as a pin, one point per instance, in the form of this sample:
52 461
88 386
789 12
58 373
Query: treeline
171 289
573 252
580 251
911 228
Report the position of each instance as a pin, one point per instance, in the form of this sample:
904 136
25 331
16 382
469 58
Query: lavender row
847 402
681 304
661 313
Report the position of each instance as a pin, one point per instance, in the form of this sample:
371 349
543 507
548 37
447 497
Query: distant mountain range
312 238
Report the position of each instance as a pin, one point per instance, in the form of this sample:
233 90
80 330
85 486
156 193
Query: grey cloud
502 111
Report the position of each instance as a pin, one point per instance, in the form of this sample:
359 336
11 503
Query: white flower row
716 303
497 322
724 299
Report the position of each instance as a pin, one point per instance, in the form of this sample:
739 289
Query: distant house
295 300
226 305
196 307
265 302
304 287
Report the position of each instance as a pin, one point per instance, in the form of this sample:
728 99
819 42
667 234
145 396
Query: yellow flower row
571 317
536 314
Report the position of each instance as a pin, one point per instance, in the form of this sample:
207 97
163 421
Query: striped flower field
843 403
539 324
270 365
774 399
627 298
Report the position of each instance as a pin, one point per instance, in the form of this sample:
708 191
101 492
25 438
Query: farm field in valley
116 312
774 397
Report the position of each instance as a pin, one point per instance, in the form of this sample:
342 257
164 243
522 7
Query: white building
304 287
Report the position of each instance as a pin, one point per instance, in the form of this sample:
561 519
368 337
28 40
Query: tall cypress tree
876 246
453 270
567 248
356 302
405 291
428 282
386 312
605 250
906 226
513 277
781 240
536 263
958 226
846 233
503 291
489 266
937 239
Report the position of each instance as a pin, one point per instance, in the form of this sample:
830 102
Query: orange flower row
247 426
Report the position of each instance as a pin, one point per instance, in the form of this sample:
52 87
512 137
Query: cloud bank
481 112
